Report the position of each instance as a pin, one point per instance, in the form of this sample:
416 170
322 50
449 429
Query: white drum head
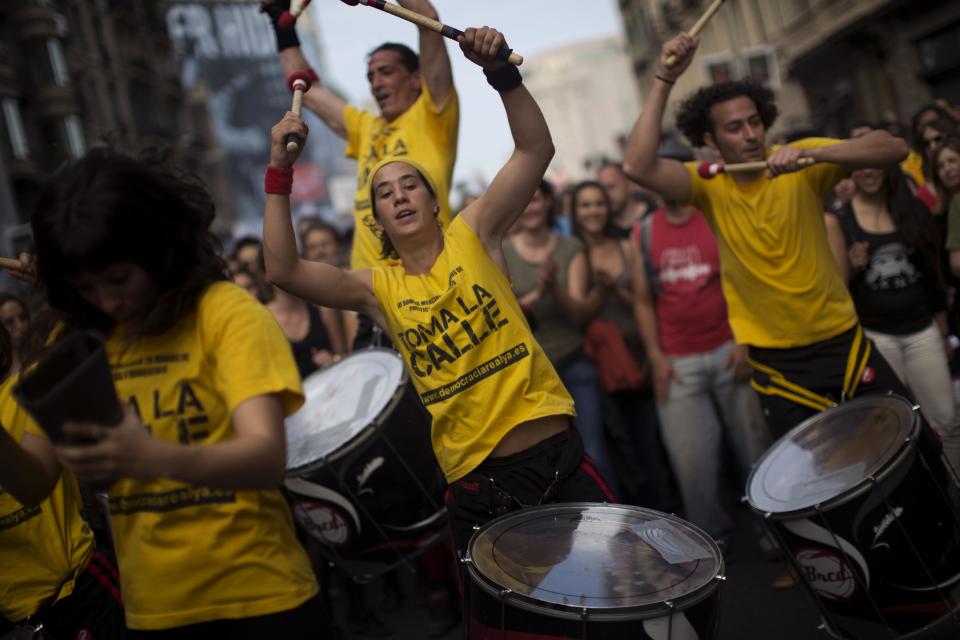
610 558
830 453
342 401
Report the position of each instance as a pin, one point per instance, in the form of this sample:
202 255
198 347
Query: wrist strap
504 79
278 180
662 79
286 38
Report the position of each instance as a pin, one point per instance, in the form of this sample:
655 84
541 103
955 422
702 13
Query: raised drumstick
11 265
505 53
289 18
299 82
707 170
697 28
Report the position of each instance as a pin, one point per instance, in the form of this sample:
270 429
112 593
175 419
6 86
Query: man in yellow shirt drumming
785 297
419 117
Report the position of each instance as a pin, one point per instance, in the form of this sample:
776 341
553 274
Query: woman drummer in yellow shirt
204 538
501 417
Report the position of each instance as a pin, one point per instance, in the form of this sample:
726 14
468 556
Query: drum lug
584 613
721 578
505 593
466 560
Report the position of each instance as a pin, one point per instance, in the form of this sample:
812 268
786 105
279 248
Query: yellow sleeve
698 189
248 351
355 121
443 120
824 176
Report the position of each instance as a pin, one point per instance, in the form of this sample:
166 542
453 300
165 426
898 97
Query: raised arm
667 177
323 102
493 213
877 149
315 282
434 60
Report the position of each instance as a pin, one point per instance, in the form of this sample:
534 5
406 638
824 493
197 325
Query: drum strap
772 382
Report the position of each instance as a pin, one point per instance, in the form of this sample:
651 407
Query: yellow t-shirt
41 546
913 167
190 554
423 132
778 274
469 350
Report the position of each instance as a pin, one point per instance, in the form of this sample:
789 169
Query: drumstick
299 82
707 170
288 18
11 264
505 53
697 28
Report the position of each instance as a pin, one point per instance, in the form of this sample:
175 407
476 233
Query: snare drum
585 570
862 499
360 470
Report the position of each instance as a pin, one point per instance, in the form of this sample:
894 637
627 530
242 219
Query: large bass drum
869 511
360 471
584 570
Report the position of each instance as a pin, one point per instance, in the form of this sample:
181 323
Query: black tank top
316 339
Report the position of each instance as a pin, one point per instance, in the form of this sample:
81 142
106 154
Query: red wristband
278 180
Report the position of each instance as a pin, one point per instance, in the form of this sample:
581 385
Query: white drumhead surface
342 400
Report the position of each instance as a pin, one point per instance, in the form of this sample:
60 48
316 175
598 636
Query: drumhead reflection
831 453
342 400
609 557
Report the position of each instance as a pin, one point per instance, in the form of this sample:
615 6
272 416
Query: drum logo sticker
327 523
827 573
885 523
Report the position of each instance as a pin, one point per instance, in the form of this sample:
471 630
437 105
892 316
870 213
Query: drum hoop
600 614
374 428
906 448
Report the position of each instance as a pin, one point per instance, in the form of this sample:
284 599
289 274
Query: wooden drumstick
697 28
298 82
505 53
707 170
289 18
11 265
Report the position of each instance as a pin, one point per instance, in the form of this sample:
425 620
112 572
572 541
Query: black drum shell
904 533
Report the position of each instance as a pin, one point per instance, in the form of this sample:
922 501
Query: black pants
555 470
799 382
306 622
93 611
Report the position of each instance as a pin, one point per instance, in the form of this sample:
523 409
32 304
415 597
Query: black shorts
555 470
797 382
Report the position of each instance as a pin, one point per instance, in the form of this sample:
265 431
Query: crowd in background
662 393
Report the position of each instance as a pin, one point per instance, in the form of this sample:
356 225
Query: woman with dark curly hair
784 296
204 538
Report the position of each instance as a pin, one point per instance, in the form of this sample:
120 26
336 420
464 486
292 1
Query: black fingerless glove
286 38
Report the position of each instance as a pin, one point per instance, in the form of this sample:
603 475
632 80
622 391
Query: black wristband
504 79
286 38
662 79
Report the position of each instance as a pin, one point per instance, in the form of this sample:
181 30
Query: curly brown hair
693 114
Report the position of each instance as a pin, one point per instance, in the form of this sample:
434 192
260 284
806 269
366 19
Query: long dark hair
953 144
609 229
913 221
107 208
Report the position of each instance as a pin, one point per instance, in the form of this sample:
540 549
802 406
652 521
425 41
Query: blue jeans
580 378
707 403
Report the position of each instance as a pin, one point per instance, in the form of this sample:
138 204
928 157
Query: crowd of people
628 337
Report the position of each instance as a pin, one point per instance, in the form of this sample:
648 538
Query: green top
554 330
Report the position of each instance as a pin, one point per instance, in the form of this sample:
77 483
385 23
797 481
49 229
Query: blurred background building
589 96
832 63
74 73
